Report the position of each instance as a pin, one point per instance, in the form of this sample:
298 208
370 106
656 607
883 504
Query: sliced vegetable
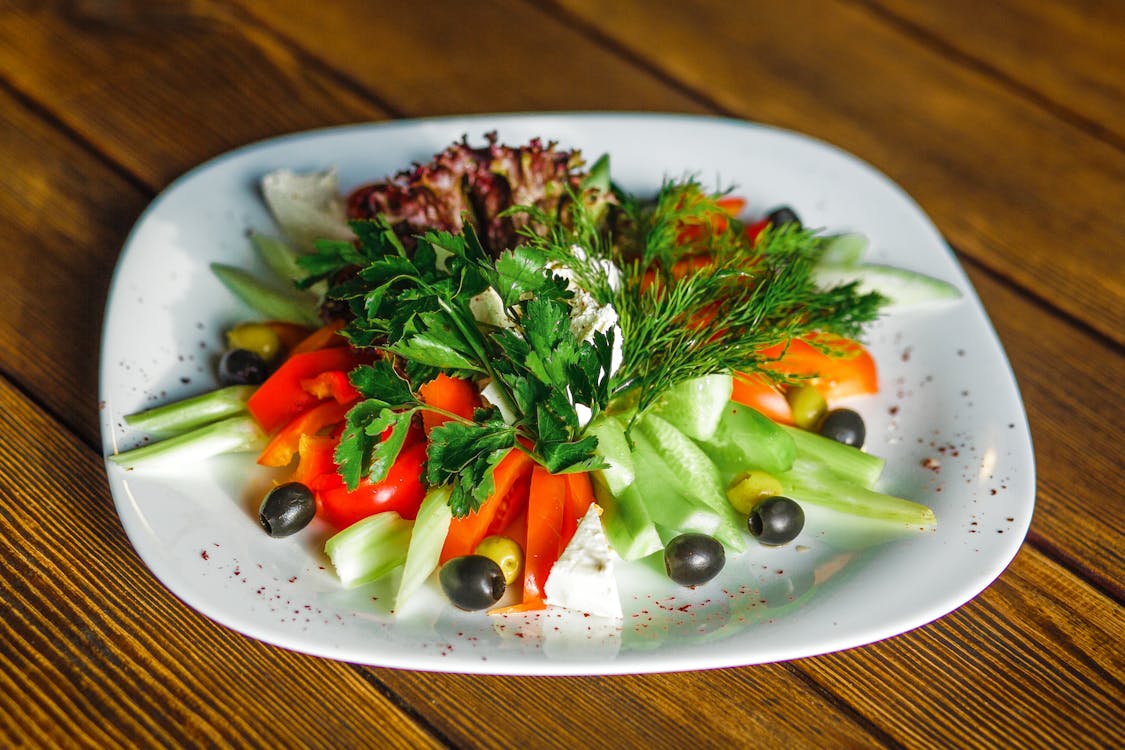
401 492
453 395
283 446
760 393
838 367
280 398
333 384
694 407
628 525
579 498
810 482
426 540
368 550
842 460
613 447
192 412
466 532
546 503
183 451
902 288
269 301
745 440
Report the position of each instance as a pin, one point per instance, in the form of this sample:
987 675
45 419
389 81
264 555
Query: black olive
776 520
844 426
783 215
692 559
472 581
242 367
287 509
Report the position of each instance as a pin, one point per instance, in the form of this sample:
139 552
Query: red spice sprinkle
204 555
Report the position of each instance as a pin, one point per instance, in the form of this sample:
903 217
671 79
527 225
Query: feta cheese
582 578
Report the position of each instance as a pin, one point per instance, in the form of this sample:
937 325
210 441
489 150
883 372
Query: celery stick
426 540
369 549
196 411
849 463
273 303
183 451
746 439
810 482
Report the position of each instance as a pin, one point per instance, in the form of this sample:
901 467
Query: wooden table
1003 119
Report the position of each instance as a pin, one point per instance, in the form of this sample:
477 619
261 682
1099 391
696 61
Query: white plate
949 420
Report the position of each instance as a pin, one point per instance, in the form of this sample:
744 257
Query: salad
500 368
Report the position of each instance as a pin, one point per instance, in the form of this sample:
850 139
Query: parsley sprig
417 308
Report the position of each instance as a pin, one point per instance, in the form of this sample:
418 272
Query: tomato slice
402 491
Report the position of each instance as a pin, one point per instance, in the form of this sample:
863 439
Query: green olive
750 488
504 552
257 338
808 406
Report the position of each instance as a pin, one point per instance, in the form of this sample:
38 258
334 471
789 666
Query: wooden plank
65 216
95 652
438 58
161 92
1071 55
971 151
1035 661
752 707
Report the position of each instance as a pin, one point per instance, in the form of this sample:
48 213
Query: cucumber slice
902 288
426 540
746 439
369 549
844 249
613 446
627 524
694 407
680 486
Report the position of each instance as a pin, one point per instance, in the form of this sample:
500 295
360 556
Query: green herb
693 298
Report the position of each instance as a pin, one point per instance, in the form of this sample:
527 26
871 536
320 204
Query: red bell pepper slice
280 398
325 337
579 498
332 384
285 443
546 502
401 491
505 502
848 371
759 392
316 466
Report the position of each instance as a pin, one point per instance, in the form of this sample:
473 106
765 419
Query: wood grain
437 58
753 707
160 93
974 154
95 652
1035 661
1070 56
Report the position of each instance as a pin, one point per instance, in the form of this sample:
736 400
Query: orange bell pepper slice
466 532
546 503
285 444
454 395
848 371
